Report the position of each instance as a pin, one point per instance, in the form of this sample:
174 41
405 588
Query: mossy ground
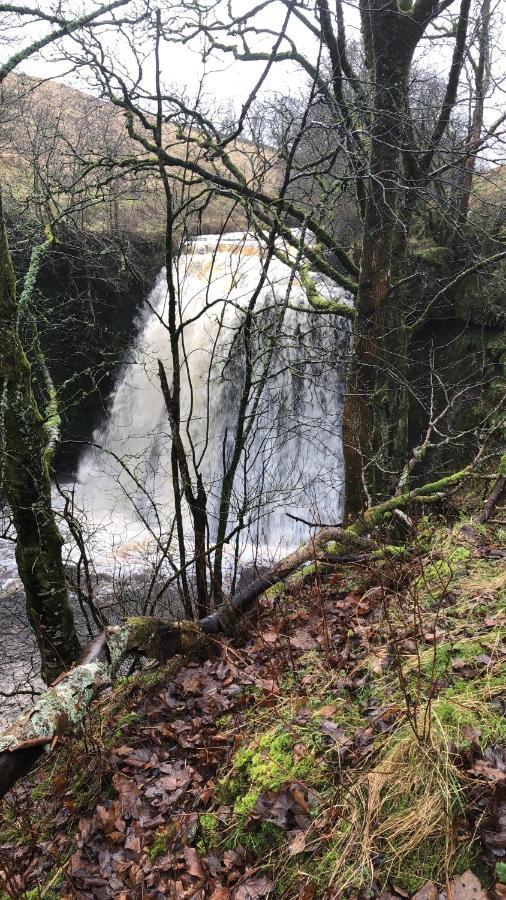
393 820
372 749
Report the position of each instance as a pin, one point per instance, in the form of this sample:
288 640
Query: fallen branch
498 492
66 702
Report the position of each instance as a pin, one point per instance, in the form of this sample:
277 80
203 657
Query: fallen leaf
466 887
400 891
435 636
252 889
471 733
133 843
220 892
303 640
335 731
324 712
193 864
484 769
379 661
128 792
308 892
299 798
297 844
428 892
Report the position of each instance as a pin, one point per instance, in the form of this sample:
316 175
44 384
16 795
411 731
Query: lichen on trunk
26 444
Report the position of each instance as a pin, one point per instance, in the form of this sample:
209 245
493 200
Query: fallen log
66 702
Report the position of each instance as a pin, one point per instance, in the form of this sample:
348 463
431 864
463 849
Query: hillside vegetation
51 133
349 742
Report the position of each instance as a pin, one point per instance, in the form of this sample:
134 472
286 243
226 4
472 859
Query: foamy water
292 461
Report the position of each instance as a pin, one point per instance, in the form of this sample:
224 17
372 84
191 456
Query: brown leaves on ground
142 835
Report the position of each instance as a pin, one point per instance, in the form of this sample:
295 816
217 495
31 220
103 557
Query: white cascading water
292 462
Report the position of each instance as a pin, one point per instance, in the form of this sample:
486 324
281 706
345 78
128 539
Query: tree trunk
196 500
27 485
376 404
475 129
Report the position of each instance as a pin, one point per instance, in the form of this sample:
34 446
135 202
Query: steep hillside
52 136
348 743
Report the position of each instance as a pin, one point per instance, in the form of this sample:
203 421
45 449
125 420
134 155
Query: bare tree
392 149
29 434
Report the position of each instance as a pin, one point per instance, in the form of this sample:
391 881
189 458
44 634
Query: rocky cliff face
462 338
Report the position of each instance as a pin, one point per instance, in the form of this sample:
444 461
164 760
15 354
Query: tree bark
496 495
197 500
27 445
475 129
376 405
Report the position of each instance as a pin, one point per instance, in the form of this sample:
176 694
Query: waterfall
292 459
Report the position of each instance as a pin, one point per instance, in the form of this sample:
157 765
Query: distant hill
50 134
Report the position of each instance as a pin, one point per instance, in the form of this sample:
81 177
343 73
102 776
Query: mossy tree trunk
375 420
27 443
376 408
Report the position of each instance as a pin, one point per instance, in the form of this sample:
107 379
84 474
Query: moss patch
161 843
262 766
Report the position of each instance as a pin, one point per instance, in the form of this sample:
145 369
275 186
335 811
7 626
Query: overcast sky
227 81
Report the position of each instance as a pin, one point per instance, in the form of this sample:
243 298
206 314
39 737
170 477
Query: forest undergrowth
349 741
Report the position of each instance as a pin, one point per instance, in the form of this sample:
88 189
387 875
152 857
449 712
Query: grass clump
395 819
469 705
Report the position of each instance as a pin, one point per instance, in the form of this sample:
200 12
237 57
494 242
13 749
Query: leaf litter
158 822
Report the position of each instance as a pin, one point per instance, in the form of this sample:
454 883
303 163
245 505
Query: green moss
437 661
39 892
500 871
393 550
459 555
42 893
435 572
130 718
436 257
275 590
224 721
161 843
438 575
11 831
265 766
258 837
209 836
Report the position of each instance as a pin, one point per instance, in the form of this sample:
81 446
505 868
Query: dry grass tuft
393 812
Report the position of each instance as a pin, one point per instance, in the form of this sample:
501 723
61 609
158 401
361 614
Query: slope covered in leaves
350 741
